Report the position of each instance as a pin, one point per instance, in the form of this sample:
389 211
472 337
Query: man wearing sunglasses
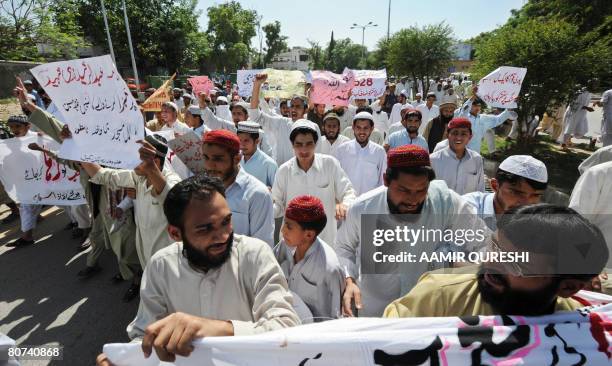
566 252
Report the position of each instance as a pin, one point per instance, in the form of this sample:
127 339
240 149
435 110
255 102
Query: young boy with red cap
311 266
461 168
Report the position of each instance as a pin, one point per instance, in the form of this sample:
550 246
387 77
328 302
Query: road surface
42 302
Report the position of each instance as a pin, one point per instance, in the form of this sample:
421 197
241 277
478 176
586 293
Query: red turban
459 122
305 209
407 156
224 138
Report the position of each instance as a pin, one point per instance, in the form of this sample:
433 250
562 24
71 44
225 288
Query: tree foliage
337 55
27 25
316 55
346 54
557 61
420 52
164 32
275 42
230 29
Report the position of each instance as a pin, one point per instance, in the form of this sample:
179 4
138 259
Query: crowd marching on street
272 231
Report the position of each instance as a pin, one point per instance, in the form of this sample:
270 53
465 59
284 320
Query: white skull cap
525 166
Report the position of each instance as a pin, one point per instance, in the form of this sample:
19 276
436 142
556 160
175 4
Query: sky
315 19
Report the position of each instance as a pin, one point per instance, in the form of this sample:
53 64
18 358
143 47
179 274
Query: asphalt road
42 302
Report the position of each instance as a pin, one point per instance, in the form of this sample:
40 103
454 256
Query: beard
446 119
201 260
409 216
223 176
516 302
413 129
331 135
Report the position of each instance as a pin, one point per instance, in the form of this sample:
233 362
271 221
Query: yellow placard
159 97
283 83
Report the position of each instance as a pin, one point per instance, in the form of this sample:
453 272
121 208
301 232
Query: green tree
28 25
420 52
346 54
587 15
230 29
275 42
556 61
377 59
164 32
316 55
329 52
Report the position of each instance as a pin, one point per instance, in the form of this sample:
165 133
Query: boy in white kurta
311 266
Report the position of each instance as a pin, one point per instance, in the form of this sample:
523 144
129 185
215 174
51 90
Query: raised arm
259 80
38 117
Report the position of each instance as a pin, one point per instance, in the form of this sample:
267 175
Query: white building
295 59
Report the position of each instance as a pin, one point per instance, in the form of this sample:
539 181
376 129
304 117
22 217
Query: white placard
188 147
501 87
244 81
99 109
369 84
33 177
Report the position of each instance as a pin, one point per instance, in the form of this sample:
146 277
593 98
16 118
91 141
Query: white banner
578 337
99 109
244 81
188 147
369 84
501 87
32 177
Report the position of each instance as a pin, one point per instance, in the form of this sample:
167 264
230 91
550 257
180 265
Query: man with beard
401 125
363 161
409 189
239 111
410 134
177 97
520 180
279 128
331 138
435 130
247 197
210 283
315 114
550 233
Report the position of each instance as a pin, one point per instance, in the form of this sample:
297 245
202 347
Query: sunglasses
515 269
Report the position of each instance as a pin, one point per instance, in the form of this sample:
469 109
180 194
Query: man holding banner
482 122
276 126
